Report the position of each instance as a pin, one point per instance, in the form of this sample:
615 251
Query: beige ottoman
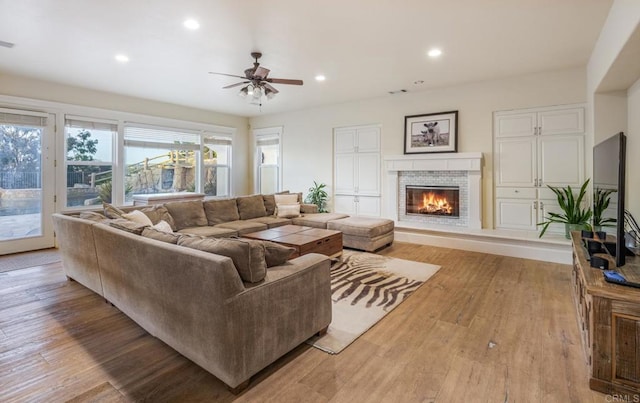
369 234
317 220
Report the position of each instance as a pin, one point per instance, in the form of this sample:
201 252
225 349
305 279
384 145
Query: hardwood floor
484 328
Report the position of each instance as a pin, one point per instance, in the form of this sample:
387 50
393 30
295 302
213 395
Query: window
268 160
217 165
89 160
159 160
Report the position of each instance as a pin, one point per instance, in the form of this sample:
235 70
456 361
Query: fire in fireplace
433 200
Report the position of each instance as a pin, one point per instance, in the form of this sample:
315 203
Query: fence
20 180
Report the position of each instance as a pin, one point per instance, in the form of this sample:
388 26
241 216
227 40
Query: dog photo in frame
431 133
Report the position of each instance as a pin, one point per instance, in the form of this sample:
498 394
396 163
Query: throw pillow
269 204
276 254
111 211
248 258
288 210
286 198
153 233
127 225
157 213
93 216
163 226
138 216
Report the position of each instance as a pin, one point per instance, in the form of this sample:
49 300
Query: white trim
269 132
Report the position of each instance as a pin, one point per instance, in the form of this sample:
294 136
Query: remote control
612 276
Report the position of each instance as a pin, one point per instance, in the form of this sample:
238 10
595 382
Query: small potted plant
601 199
574 216
318 196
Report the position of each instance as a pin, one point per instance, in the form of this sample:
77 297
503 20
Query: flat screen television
609 173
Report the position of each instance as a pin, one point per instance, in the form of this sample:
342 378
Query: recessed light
191 24
320 77
434 52
122 58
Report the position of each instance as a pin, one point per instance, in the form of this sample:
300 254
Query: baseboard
554 249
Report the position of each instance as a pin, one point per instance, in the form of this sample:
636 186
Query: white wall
23 87
307 139
632 201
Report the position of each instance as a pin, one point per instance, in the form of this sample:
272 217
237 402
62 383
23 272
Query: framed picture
431 133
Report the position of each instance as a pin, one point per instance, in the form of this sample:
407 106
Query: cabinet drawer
515 193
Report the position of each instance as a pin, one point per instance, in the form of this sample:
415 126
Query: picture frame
431 133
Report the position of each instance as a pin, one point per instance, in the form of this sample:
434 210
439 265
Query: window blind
22 118
158 137
79 122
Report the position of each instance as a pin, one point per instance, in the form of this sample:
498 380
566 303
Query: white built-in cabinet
534 148
357 170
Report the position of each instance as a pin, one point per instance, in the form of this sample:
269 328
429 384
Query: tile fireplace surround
459 169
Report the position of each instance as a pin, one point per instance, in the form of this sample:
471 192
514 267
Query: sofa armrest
308 208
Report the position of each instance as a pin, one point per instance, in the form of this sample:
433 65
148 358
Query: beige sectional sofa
197 302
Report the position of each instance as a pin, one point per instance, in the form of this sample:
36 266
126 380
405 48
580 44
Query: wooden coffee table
303 239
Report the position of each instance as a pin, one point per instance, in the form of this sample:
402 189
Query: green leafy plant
601 199
105 191
318 196
573 212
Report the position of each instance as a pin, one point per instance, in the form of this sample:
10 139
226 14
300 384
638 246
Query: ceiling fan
256 81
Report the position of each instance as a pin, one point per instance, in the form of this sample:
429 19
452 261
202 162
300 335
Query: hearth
433 200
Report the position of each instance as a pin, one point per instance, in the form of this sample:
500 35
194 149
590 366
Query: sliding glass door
26 180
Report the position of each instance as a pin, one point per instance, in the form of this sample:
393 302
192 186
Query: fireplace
441 201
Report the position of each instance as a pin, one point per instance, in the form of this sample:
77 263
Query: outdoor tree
81 147
19 149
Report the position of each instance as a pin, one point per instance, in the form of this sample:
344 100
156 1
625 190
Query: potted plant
601 199
573 216
318 196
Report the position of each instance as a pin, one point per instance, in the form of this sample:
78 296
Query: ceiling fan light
269 94
244 92
257 92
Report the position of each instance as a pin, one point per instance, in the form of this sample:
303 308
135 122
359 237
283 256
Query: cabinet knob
517 191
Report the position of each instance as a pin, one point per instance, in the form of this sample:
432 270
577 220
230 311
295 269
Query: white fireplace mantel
470 162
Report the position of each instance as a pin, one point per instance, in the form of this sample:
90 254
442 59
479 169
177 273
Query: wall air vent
7 44
397 92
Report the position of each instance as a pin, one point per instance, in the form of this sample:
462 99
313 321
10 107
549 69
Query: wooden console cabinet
609 319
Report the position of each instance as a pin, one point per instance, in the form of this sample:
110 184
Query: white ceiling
364 48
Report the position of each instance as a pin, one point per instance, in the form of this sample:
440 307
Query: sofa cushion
269 204
187 214
243 227
219 211
157 213
137 216
163 226
127 225
272 222
276 254
251 207
248 257
111 211
209 232
169 237
318 220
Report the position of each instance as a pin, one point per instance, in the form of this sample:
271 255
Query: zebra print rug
366 287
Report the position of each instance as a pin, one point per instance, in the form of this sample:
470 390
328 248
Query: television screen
608 179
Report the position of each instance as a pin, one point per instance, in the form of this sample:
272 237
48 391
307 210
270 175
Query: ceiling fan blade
284 81
228 75
261 72
269 87
236 84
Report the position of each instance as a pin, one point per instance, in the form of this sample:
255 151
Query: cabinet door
368 140
561 121
516 162
345 171
345 204
515 125
561 160
545 207
368 206
345 141
368 174
515 214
